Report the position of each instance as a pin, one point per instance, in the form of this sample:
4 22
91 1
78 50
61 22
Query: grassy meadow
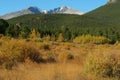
25 59
62 46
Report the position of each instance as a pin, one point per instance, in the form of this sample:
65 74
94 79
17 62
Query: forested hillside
69 25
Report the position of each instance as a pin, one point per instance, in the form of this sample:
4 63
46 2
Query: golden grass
60 61
54 71
43 72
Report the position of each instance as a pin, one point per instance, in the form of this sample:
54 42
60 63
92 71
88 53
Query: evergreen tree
66 34
24 32
3 26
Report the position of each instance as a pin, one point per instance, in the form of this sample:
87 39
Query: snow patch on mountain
65 10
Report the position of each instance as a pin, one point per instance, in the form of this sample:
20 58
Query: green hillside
103 21
58 20
109 11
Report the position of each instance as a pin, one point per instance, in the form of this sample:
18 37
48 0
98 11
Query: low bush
91 39
18 51
103 64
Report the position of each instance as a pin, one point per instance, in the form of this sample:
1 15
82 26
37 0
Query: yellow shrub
103 64
35 35
60 38
91 39
47 38
18 51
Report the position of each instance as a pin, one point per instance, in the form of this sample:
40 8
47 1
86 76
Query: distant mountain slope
65 10
30 10
35 10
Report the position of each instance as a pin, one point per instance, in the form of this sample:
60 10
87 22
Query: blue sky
7 6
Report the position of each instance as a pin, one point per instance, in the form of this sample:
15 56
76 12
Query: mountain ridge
29 10
65 10
36 10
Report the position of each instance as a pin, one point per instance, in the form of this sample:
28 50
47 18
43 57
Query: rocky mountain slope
65 10
35 10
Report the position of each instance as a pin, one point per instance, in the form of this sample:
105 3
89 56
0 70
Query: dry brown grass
54 71
60 61
48 71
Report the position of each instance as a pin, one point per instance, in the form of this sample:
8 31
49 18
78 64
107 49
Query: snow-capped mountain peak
35 10
65 10
63 7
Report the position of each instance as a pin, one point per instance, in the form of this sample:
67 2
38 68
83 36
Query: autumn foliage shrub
103 64
18 51
91 39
